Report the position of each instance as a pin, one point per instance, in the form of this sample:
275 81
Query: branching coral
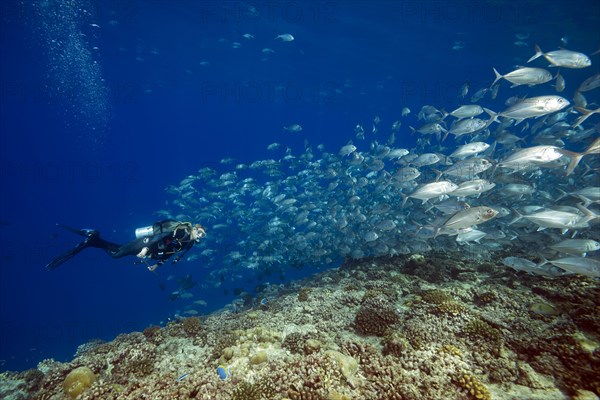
303 294
191 326
394 343
485 298
154 334
479 329
294 342
473 387
375 316
435 296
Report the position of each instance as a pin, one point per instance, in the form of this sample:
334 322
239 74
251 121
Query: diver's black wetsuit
168 237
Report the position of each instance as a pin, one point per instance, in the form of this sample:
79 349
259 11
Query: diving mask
198 233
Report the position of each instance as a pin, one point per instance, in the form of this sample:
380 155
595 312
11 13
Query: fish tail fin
575 159
563 194
586 201
404 199
491 113
590 216
490 151
538 53
583 110
412 130
498 77
517 218
585 113
493 118
542 263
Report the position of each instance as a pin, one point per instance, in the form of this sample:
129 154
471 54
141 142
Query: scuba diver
158 241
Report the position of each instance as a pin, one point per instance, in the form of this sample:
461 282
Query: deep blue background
169 115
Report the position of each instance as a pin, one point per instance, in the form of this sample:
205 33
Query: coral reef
387 328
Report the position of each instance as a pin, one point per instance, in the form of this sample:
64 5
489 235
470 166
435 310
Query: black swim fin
91 235
66 256
81 232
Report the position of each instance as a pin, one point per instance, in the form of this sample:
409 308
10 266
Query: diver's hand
142 253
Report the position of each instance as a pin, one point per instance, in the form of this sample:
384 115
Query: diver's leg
129 249
92 240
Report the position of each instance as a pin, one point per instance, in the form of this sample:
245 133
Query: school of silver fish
526 177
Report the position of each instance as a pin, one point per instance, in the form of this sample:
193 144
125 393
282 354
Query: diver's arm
153 267
182 253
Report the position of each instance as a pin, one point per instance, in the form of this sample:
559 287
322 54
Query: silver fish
466 111
397 154
555 219
524 158
426 159
432 190
576 246
294 128
560 83
532 107
370 236
519 264
472 235
466 127
428 129
470 216
469 168
469 149
524 76
406 174
472 187
479 95
590 83
347 149
579 265
285 37
563 58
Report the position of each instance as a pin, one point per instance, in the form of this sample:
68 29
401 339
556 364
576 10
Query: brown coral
153 334
435 296
452 308
485 298
394 343
191 326
479 329
303 294
371 320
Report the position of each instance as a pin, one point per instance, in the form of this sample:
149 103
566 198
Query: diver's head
197 233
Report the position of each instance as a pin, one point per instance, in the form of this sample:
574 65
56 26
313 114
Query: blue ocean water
104 104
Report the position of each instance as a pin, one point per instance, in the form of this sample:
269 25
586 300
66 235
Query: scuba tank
156 228
144 232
